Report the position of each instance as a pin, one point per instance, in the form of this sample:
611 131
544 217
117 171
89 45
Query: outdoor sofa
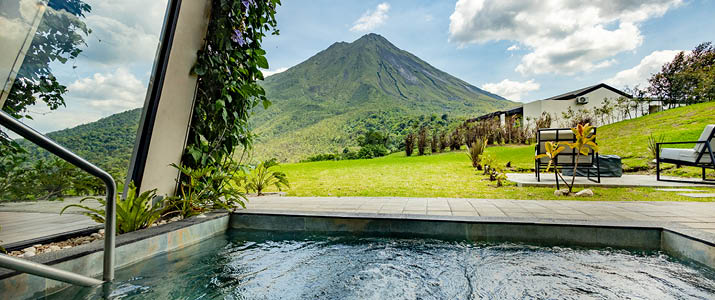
568 157
701 155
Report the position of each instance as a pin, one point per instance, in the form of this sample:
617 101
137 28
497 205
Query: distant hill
107 142
322 104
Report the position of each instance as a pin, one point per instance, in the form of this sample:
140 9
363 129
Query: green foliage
228 67
422 141
326 102
475 152
652 141
133 213
50 179
108 142
204 189
409 144
262 176
687 79
371 151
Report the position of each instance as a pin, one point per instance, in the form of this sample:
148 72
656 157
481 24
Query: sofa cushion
703 137
686 155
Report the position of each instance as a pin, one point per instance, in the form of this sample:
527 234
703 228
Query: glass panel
77 70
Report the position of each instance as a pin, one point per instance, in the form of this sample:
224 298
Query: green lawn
451 175
441 175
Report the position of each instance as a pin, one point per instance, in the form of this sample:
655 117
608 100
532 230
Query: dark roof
586 90
510 112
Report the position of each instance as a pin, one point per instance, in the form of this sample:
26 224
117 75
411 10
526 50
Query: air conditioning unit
581 100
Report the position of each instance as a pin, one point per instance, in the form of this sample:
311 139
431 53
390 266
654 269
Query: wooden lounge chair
568 157
699 156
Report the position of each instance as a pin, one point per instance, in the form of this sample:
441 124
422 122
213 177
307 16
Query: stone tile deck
698 215
548 180
31 220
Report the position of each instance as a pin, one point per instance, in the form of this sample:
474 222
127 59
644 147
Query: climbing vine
228 68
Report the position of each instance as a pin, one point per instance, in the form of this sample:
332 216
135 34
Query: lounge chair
699 156
568 157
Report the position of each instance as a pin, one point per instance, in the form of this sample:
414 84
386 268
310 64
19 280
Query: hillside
322 104
107 142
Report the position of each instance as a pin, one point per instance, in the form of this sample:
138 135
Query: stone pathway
548 180
699 215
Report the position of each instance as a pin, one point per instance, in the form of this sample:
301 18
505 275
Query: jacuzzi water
268 266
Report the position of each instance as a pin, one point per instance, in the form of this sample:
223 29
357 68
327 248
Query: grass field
451 175
441 175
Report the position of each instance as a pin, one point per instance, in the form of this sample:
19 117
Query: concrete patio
25 221
549 180
696 215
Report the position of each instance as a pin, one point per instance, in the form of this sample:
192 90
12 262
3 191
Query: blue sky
479 55
522 50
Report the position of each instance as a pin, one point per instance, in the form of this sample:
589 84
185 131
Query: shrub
443 141
422 141
262 176
475 151
206 188
434 145
455 140
322 157
409 143
133 213
372 151
652 141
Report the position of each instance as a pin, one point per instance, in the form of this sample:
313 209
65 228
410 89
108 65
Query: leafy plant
133 213
652 141
204 189
475 152
583 144
228 69
409 143
552 150
262 176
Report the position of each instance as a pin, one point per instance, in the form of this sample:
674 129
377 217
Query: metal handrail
110 224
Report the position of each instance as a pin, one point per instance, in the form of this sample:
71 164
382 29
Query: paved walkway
23 226
21 221
699 215
549 180
24 221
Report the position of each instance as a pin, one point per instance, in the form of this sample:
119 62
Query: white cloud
640 74
109 92
372 19
564 36
113 42
513 48
267 73
512 90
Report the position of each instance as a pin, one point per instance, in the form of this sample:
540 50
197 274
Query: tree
687 79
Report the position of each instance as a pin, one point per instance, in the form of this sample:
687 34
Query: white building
588 98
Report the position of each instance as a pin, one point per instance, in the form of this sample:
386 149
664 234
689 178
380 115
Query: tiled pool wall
137 246
131 248
626 235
